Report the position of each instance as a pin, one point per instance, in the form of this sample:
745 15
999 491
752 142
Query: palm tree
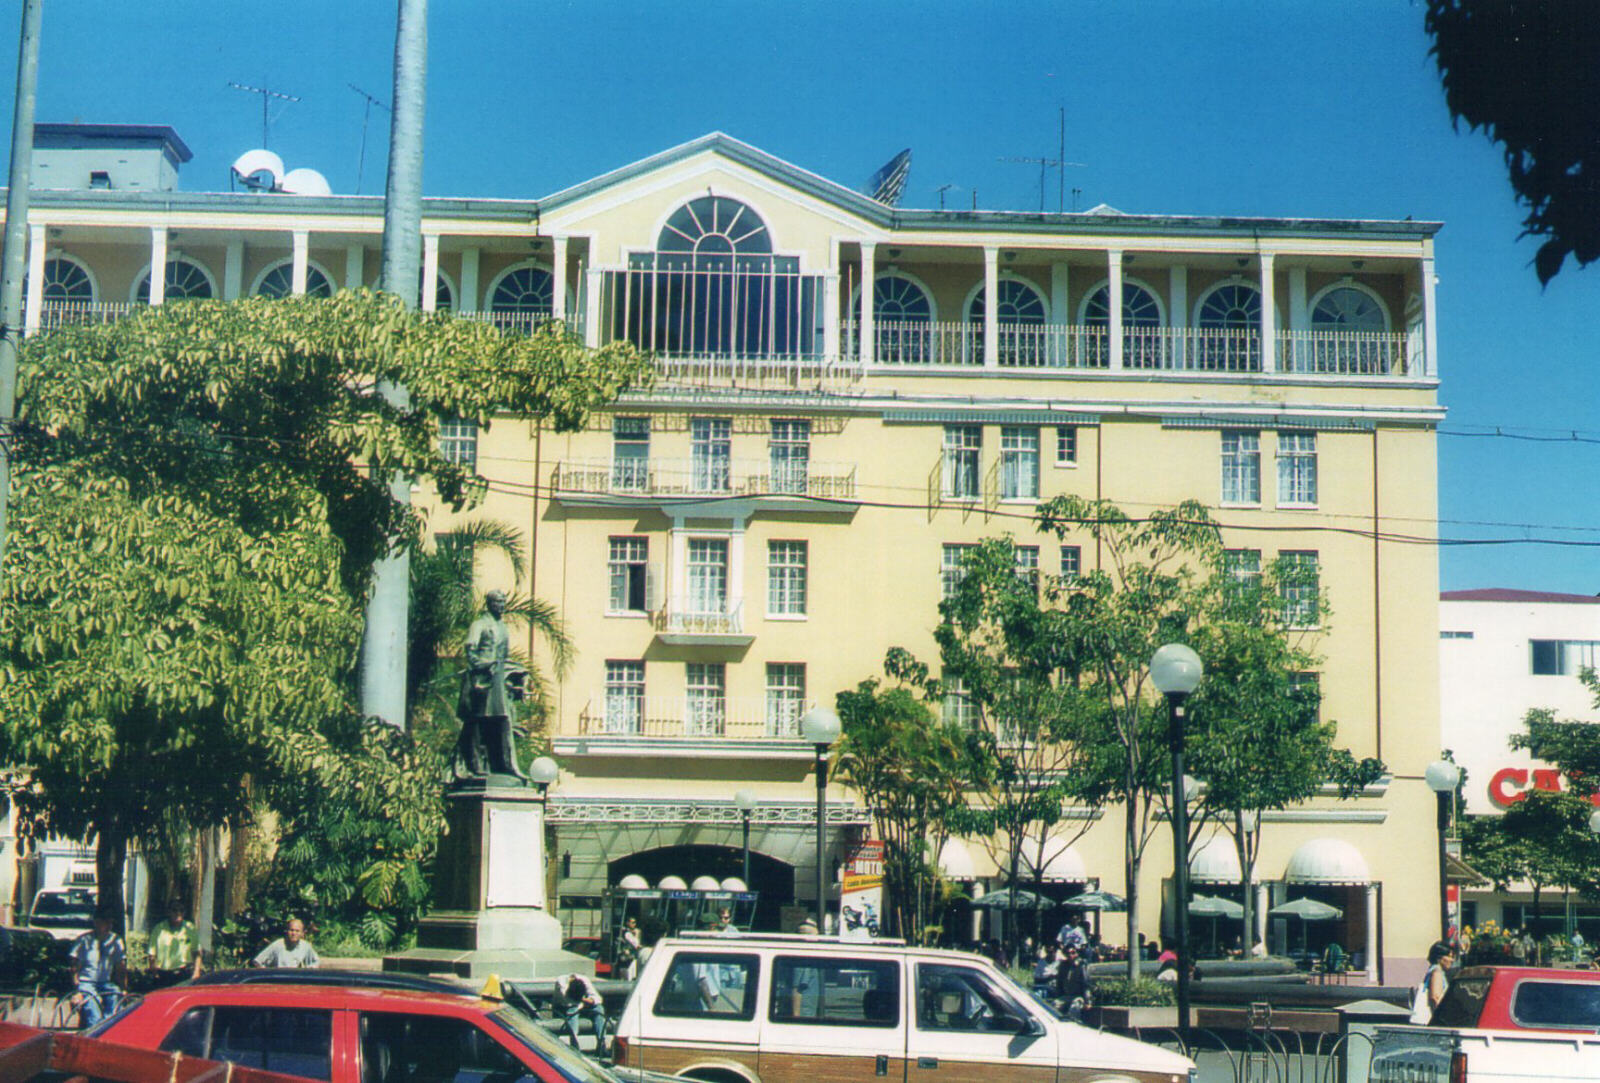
444 603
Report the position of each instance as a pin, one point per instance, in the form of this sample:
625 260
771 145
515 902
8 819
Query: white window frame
789 455
1019 462
624 695
1241 468
1071 562
788 579
1242 566
1571 655
1297 469
700 583
961 469
711 454
1026 559
630 473
950 570
957 706
1066 446
786 698
705 699
1300 610
625 552
458 442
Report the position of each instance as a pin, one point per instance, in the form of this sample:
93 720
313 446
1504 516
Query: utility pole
383 646
366 114
13 263
266 98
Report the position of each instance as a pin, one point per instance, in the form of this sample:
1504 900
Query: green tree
1527 72
196 524
1256 738
1006 658
910 769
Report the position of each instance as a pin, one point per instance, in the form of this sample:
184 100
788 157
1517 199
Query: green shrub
1139 993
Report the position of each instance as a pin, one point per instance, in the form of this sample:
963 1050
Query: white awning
956 860
1060 863
1215 861
1327 861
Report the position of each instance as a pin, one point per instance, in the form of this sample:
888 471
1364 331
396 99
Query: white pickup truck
1500 1025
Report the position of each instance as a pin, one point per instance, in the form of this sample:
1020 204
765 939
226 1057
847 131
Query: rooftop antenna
266 97
366 114
942 189
1058 162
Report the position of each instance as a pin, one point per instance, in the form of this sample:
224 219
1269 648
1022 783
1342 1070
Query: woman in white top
1430 990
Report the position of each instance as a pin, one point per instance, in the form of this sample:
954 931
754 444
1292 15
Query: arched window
901 312
522 297
1348 321
67 281
1229 322
712 288
278 281
185 280
444 294
1020 312
1140 309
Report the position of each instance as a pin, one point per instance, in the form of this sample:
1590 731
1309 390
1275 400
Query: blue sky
1293 108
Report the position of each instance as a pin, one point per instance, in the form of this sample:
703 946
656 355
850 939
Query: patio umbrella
1096 900
1307 910
1008 899
1209 906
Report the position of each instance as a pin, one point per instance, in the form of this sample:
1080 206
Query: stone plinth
490 911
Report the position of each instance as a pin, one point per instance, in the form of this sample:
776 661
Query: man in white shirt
292 950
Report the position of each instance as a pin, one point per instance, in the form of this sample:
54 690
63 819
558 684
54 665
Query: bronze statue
489 688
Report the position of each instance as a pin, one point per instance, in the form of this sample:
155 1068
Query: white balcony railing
630 714
700 617
1350 353
707 477
54 314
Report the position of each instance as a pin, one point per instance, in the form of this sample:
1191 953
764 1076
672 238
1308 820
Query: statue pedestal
490 911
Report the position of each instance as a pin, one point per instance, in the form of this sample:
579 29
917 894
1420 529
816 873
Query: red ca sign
1509 785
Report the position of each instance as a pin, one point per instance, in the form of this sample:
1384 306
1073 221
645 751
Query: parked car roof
368 979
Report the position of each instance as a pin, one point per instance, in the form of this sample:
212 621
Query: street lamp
745 802
821 727
1175 671
1442 777
542 772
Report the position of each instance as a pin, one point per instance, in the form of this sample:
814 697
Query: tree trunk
240 832
110 859
1130 841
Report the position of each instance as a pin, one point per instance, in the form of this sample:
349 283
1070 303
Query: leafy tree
1527 72
195 522
909 768
1005 655
1256 738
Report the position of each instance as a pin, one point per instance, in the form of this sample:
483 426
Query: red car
352 1035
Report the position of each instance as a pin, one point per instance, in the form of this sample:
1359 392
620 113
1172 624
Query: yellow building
749 537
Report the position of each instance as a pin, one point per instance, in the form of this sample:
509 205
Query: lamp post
1442 777
1175 671
821 727
745 801
542 772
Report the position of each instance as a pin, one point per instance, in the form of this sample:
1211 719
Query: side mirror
1017 1024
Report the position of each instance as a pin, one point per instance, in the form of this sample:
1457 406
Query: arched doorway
772 880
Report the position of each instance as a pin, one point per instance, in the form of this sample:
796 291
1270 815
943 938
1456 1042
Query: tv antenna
366 114
1059 162
943 188
266 98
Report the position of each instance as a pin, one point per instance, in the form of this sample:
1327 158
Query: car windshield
573 1065
77 907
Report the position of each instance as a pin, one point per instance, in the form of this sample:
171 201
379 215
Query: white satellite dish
304 182
252 163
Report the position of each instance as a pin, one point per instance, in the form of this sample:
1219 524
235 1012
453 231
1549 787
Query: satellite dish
304 182
889 182
251 166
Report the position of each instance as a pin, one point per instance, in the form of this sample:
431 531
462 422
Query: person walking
1431 989
582 1001
290 951
629 947
175 947
99 969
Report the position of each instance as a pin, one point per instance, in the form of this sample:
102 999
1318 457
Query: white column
1430 323
1299 320
468 301
591 328
979 890
1372 932
558 279
1178 315
1114 304
33 304
233 270
735 571
830 312
158 264
991 307
869 338
1060 318
355 266
430 272
1269 315
302 249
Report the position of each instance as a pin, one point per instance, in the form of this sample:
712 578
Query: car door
967 1024
423 1047
291 1040
832 1018
703 1012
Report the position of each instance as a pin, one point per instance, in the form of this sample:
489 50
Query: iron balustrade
713 477
626 714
